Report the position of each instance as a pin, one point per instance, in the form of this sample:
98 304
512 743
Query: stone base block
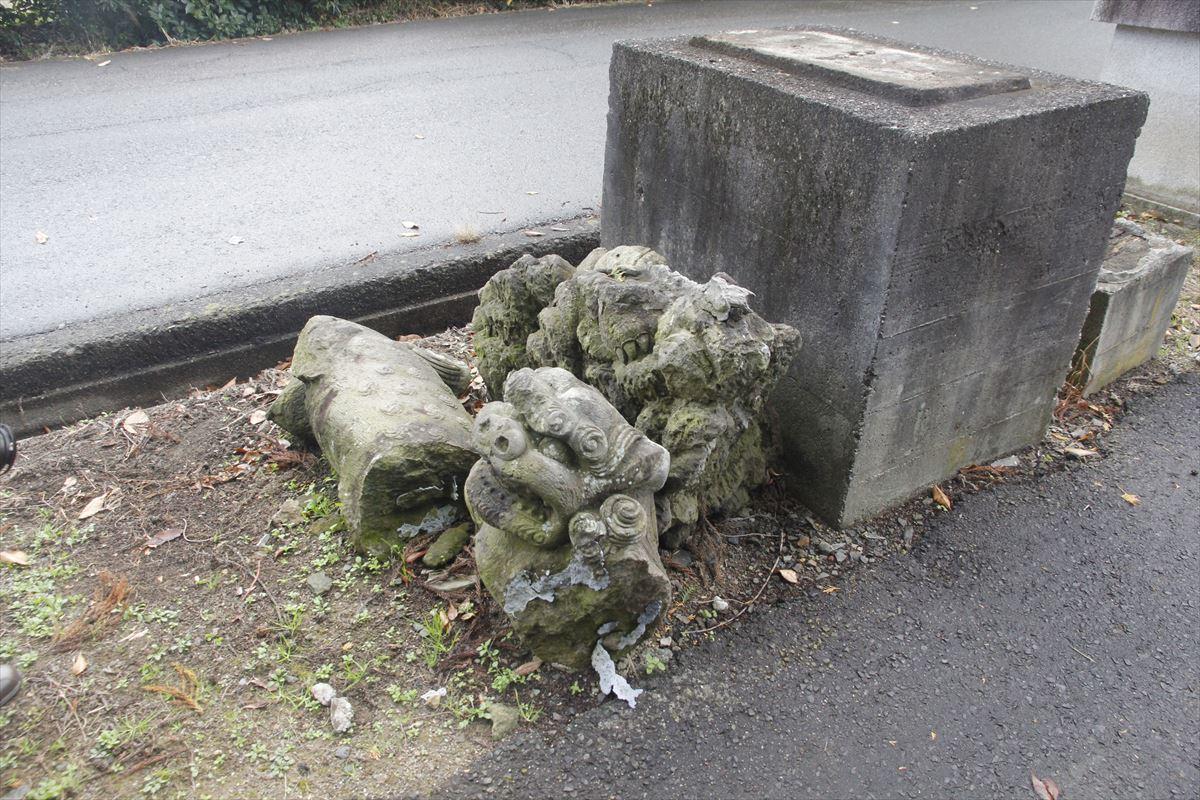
931 224
1132 305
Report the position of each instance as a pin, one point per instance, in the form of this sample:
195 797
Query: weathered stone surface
688 363
1182 16
447 545
396 436
505 719
1156 49
509 304
563 501
937 259
1132 305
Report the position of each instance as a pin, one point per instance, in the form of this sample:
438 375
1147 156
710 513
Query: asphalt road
1047 625
312 149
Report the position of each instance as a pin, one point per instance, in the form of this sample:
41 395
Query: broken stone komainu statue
690 364
387 417
563 502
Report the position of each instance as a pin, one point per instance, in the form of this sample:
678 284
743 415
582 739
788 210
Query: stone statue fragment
563 499
690 364
395 434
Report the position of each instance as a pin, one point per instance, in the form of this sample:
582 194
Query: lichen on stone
689 364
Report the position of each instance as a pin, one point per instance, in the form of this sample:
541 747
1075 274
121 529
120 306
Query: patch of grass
502 677
437 639
402 696
654 664
528 711
466 234
62 784
36 603
111 741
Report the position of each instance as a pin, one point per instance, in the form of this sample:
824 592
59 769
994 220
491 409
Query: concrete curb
56 378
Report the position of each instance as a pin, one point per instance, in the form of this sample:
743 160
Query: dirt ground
154 591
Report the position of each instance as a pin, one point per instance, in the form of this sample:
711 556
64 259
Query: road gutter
59 377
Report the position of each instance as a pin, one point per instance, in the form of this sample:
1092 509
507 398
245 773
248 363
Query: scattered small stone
433 698
320 583
448 544
325 523
907 537
19 792
720 604
323 693
683 557
666 641
840 555
290 513
1010 462
803 542
342 752
341 714
453 583
505 719
825 548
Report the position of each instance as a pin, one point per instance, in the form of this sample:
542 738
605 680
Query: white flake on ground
610 681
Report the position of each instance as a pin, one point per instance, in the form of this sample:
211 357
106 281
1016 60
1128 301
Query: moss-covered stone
395 435
447 545
690 364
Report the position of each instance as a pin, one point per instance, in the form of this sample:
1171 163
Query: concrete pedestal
932 224
1131 308
1156 48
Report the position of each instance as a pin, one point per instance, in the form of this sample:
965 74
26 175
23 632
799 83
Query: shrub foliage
29 28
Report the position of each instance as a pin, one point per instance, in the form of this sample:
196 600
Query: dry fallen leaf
1080 452
409 234
531 193
79 664
15 557
258 416
789 575
104 63
528 668
236 240
40 237
1132 499
162 537
1046 789
829 590
408 223
533 233
940 497
94 507
135 420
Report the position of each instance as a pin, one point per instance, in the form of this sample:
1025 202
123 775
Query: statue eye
558 423
592 444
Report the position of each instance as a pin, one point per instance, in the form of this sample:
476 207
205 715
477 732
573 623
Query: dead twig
757 595
185 693
100 615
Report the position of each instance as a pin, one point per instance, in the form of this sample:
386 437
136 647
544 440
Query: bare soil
154 592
